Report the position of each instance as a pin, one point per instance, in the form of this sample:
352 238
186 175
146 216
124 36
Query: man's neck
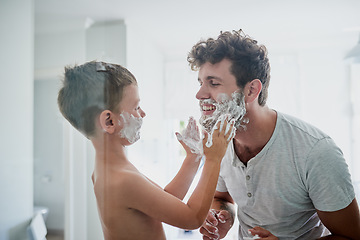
250 141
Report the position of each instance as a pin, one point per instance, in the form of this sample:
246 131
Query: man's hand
262 233
216 225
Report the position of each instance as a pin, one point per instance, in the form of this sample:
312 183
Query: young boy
101 100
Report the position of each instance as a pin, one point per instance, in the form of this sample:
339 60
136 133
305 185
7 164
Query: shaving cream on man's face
130 127
234 106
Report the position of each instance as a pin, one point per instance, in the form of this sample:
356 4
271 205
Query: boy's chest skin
133 224
121 222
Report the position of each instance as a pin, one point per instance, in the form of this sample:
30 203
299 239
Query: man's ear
107 121
252 90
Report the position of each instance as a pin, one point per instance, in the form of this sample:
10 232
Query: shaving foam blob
131 127
233 107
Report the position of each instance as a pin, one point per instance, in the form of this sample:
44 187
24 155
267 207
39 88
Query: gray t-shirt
298 171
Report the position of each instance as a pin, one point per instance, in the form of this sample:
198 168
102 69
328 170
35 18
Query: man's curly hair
249 60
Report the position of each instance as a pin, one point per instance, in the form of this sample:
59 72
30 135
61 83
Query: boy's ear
107 121
252 90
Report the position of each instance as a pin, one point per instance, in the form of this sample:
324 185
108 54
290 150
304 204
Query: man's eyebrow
210 78
213 77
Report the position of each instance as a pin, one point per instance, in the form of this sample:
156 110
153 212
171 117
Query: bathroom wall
16 122
53 51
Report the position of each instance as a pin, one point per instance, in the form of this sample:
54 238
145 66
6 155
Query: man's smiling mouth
207 109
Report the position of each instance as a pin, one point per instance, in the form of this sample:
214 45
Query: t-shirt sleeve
221 186
327 177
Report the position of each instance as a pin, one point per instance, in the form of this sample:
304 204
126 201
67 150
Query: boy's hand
190 138
222 134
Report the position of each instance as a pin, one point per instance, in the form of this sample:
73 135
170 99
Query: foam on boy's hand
191 137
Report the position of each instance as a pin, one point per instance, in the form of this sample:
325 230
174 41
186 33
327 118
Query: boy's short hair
249 59
89 89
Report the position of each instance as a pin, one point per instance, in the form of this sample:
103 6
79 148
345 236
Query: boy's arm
183 179
142 195
180 184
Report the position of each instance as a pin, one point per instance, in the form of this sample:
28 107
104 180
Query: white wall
48 162
53 51
16 123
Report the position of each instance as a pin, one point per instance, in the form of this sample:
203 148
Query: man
288 179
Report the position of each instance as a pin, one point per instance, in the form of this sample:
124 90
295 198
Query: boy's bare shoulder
119 179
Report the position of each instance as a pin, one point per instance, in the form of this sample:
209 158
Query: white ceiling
174 26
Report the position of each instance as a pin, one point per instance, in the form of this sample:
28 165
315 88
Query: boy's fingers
224 126
179 137
205 137
217 128
230 130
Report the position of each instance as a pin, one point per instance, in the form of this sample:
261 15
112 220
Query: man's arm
343 224
220 218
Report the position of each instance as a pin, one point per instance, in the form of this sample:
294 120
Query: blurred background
45 165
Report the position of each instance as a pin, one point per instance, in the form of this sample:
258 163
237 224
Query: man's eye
214 84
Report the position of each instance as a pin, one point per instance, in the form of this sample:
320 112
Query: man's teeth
208 108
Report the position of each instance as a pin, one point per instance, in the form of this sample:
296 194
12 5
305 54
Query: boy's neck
109 149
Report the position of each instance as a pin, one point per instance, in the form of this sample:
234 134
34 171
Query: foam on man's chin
234 106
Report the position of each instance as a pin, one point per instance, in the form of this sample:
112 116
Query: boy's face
131 115
130 102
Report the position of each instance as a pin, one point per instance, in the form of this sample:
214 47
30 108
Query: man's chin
207 122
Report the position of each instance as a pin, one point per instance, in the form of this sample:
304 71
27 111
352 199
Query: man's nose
203 93
142 113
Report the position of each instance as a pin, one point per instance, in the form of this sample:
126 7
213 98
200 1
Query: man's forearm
221 204
332 237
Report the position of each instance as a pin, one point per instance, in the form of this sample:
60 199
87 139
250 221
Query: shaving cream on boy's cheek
130 127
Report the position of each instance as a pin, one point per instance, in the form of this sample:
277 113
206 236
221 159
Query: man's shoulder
299 127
